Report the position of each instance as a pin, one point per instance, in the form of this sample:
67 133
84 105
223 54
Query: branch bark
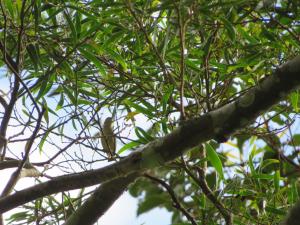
100 201
12 163
217 124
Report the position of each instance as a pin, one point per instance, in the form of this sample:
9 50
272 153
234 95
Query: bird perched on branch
108 139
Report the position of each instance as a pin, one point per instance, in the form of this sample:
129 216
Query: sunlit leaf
214 159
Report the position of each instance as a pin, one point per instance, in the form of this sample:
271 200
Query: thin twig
206 69
15 176
70 144
209 194
176 202
149 41
3 102
182 28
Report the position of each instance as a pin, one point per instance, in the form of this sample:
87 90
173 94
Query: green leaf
277 180
60 102
230 29
295 140
294 97
33 54
70 95
214 159
141 109
115 56
44 138
268 162
72 27
10 7
83 12
143 135
150 203
81 101
19 216
245 33
129 145
164 126
294 194
262 176
253 152
148 105
166 97
269 35
43 89
88 55
276 211
46 113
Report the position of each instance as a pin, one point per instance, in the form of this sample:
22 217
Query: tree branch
3 102
12 163
100 201
216 124
13 97
16 175
176 202
209 194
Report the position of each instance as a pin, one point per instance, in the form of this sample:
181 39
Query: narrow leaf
214 159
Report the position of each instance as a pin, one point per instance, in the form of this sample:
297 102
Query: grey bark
100 201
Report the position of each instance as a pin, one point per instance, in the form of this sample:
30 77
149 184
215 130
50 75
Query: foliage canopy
66 65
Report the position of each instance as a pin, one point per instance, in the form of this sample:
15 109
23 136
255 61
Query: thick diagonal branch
213 125
100 201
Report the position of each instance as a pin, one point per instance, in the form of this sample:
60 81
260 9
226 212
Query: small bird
108 139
